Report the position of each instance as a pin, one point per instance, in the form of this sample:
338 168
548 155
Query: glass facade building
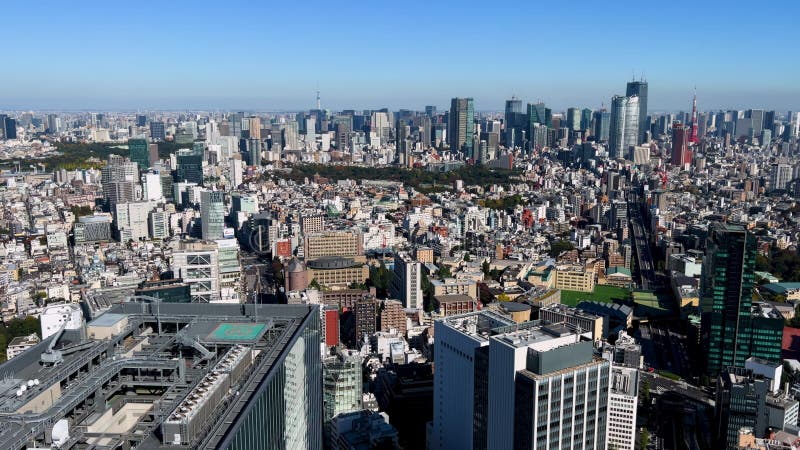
285 411
732 328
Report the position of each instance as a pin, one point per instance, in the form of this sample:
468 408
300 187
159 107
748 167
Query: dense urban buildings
539 276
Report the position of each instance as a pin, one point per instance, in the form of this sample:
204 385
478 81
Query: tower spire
693 139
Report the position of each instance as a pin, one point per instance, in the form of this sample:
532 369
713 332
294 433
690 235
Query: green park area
602 293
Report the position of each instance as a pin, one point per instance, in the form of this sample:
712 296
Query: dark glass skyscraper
639 89
732 329
157 131
462 126
139 152
514 122
11 128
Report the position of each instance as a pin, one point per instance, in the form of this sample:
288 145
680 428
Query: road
646 269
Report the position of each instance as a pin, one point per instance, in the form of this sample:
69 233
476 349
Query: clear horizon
196 56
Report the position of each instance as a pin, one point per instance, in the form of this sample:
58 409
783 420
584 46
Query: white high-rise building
781 175
159 224
151 186
407 282
624 125
131 220
622 405
462 359
502 385
236 171
212 214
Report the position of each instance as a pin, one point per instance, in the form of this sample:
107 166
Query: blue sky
271 55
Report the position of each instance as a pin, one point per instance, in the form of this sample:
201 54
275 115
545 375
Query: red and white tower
693 136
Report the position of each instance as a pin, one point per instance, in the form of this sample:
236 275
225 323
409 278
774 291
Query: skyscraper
639 89
11 128
680 145
514 122
732 330
462 126
573 119
602 125
521 386
624 127
157 131
139 152
212 214
190 166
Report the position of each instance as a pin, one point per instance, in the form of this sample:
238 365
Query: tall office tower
131 220
404 144
152 189
732 330
639 89
430 111
462 126
139 152
514 122
538 136
769 121
406 284
158 132
341 384
189 166
586 119
212 214
740 402
537 113
236 171
624 128
602 125
341 136
623 401
254 126
379 125
573 119
521 386
141 120
492 139
532 372
3 125
694 137
53 123
11 128
681 155
461 383
291 136
158 222
118 179
780 176
757 119
235 124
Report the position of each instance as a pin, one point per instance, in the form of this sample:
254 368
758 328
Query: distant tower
693 136
318 103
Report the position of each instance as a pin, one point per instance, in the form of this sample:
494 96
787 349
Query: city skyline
183 56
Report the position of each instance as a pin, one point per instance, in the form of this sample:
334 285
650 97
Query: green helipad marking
236 331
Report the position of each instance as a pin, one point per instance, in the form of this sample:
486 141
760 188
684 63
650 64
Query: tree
314 284
503 297
486 268
467 258
557 247
444 272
